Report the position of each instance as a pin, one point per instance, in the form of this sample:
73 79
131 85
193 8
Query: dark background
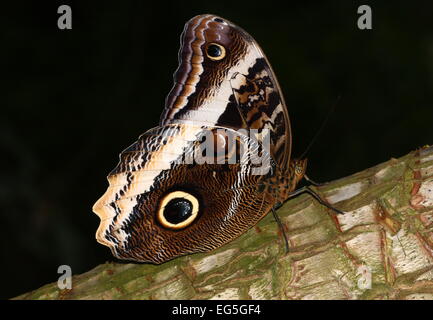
73 99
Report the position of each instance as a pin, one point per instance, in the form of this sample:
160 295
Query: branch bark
385 236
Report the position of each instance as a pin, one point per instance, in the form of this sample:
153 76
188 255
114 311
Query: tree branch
385 236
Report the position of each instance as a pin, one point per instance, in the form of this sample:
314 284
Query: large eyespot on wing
158 208
177 210
215 51
141 167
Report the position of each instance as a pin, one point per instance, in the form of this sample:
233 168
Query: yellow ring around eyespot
223 51
167 199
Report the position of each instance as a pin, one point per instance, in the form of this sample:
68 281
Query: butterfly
162 202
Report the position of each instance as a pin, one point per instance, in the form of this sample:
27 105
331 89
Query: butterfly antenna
324 123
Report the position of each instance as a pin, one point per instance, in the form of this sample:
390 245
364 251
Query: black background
71 100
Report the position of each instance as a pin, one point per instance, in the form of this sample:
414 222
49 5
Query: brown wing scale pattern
161 203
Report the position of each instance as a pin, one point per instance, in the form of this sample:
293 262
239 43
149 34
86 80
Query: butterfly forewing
239 91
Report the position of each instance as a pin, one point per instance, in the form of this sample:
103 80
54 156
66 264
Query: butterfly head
298 167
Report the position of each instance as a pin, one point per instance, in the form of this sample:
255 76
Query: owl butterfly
162 202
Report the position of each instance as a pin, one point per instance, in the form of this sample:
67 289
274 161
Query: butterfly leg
280 225
314 183
310 191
